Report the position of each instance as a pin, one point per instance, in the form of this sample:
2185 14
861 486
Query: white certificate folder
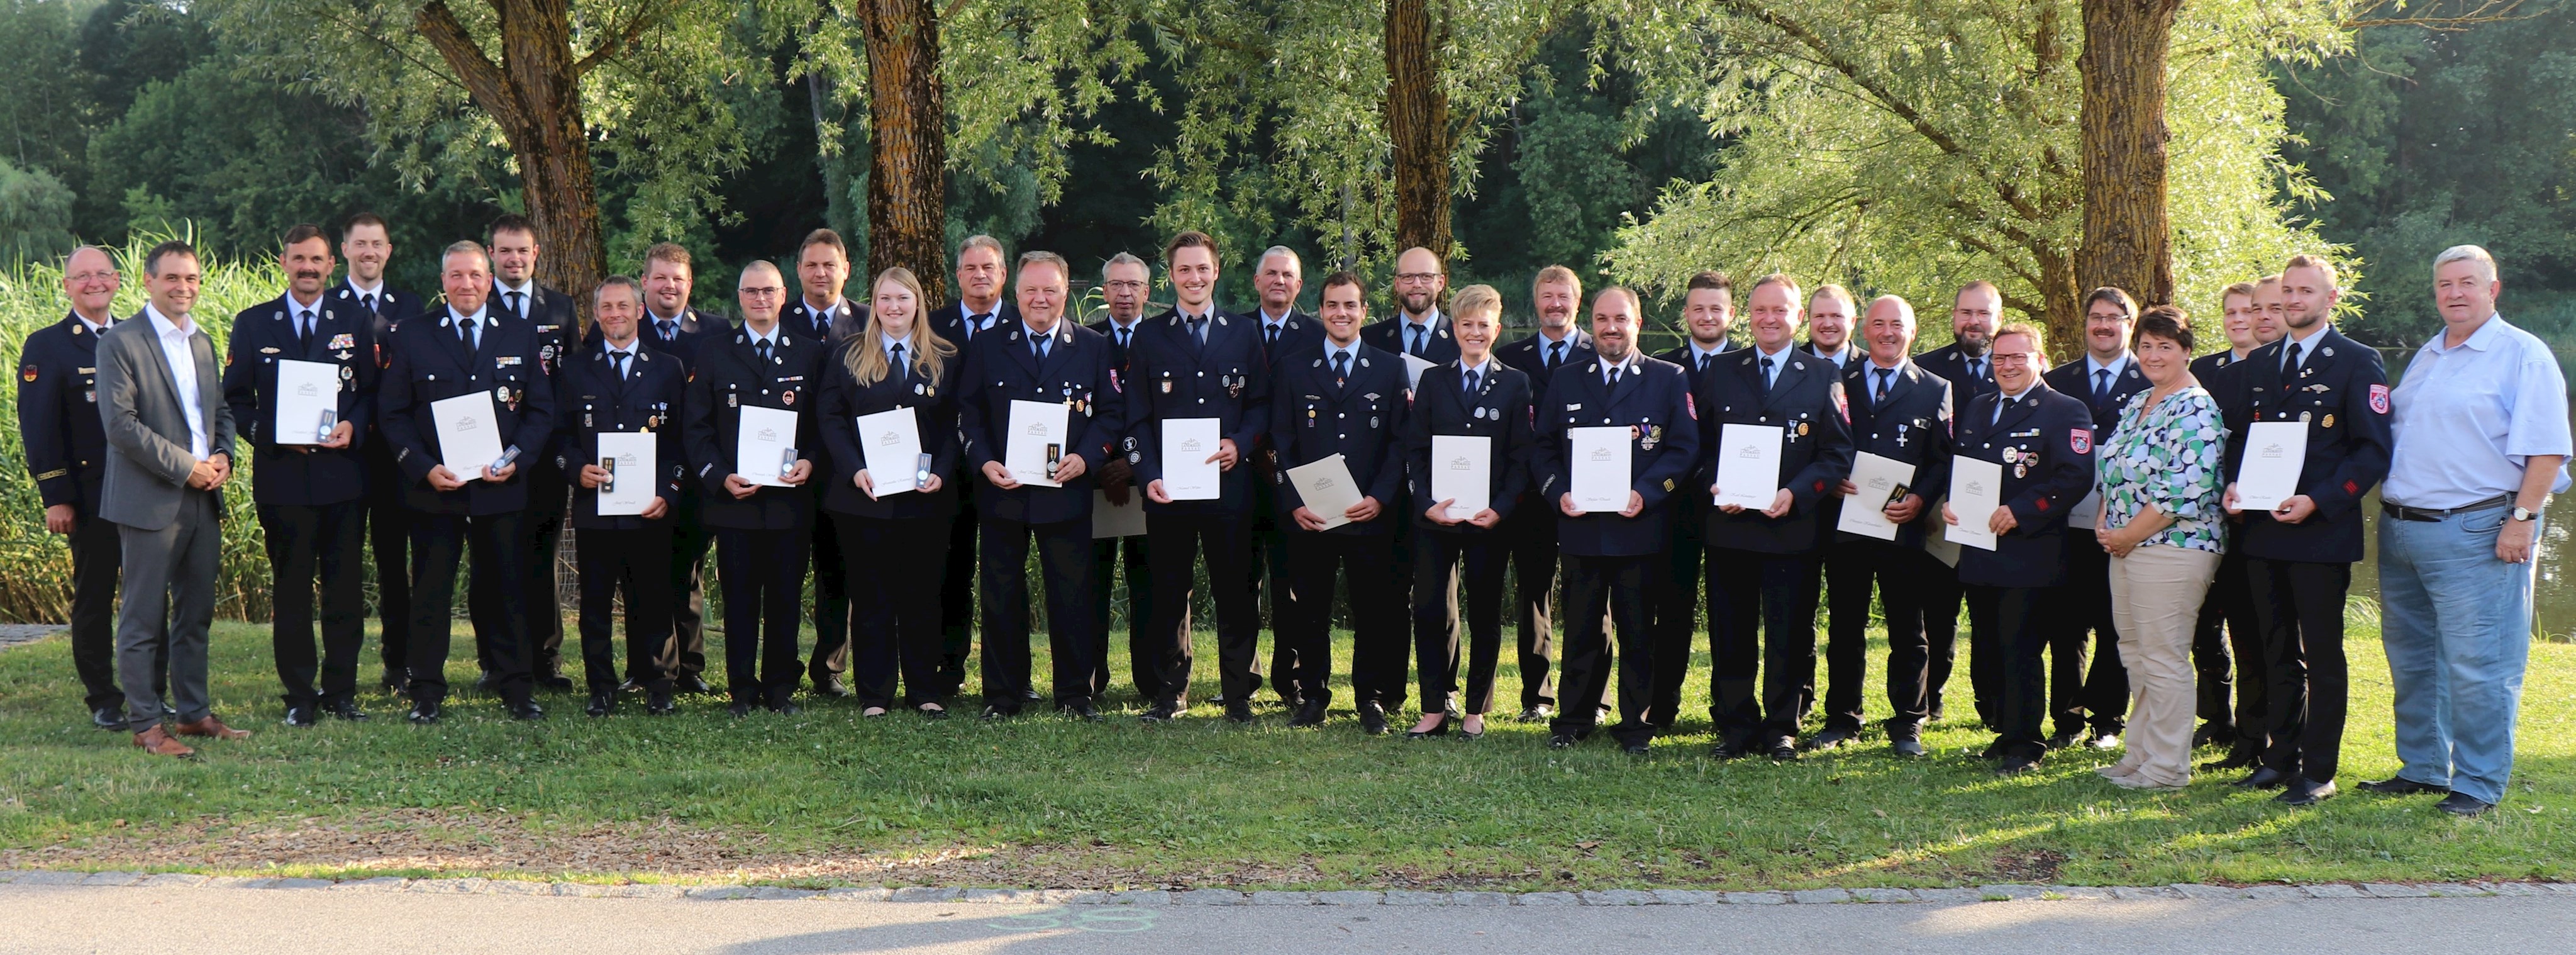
1877 478
1188 475
1597 461
1462 468
1327 489
1748 465
469 433
308 402
1035 442
1976 490
762 442
2275 451
890 441
632 478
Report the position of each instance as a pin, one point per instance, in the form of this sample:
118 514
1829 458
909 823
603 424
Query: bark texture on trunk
1417 123
2128 229
534 94
908 154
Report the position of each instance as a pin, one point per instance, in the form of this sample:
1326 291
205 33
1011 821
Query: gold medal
1802 429
2329 421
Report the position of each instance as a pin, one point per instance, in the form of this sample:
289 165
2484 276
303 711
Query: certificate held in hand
1598 461
1035 442
2275 451
1881 481
628 459
891 443
308 402
1748 465
469 434
1188 475
765 445
1976 490
1327 489
1462 473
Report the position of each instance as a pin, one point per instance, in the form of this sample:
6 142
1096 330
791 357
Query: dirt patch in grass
497 844
2032 867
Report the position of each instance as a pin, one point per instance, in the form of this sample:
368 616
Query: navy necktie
617 360
2291 363
1473 376
1341 367
1766 372
894 359
2101 385
1555 354
1883 375
515 307
473 335
304 327
1198 332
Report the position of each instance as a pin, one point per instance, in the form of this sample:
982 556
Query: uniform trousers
1611 589
1532 532
690 541
2019 683
1676 610
1178 540
541 527
95 556
1761 617
2299 606
1902 575
1943 597
1144 653
2156 593
894 601
957 587
2079 622
1065 564
499 544
389 544
2227 657
1442 561
1268 570
637 562
832 619
1316 560
306 542
763 572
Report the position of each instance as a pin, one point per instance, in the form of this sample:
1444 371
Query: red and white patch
2079 439
1113 382
1842 403
1692 403
2379 398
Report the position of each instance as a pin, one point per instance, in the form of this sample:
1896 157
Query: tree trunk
2061 313
534 95
1417 123
2128 231
908 154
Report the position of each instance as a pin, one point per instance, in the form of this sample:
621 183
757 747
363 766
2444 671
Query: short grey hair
2468 253
1903 307
464 245
1043 257
1279 250
981 241
1122 258
633 290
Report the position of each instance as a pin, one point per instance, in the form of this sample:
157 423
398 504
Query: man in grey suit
169 451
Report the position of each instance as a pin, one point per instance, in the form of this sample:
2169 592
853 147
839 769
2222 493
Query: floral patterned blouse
2168 453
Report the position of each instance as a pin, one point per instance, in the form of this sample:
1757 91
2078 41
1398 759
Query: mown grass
1202 801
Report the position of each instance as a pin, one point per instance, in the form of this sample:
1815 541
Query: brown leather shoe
159 743
210 726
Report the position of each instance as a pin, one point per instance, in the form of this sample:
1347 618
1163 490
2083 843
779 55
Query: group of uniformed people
904 561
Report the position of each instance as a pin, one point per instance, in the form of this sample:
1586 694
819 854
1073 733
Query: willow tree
1911 146
1364 121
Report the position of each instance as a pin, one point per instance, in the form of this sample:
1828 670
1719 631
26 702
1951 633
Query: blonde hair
2038 341
1851 306
866 360
2317 262
1557 275
1477 300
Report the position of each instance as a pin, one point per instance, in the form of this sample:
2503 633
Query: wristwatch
2524 514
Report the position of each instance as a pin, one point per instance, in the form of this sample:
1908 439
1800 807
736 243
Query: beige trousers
2155 601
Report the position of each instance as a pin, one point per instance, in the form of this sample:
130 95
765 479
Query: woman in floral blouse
2162 524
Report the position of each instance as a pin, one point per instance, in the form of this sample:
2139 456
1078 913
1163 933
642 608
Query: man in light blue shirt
2481 442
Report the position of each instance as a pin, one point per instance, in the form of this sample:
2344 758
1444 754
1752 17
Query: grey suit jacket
147 430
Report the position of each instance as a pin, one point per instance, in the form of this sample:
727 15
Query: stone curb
1599 898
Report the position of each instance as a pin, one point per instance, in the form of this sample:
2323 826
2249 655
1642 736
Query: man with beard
1964 364
1555 295
1708 311
1417 329
517 297
366 244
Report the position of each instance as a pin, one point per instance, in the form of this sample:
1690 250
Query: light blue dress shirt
2466 416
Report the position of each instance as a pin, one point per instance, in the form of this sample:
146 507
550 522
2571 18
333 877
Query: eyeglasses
84 278
2009 357
762 291
1416 276
1125 285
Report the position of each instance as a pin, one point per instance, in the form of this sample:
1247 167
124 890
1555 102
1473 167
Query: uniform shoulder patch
27 372
2080 439
2379 399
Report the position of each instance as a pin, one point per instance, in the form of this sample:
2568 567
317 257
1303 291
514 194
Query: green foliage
35 214
35 566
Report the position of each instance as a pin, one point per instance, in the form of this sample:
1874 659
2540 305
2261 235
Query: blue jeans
2457 626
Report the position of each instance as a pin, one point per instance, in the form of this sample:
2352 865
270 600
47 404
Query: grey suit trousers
169 590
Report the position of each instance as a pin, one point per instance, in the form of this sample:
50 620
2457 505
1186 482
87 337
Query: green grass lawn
827 798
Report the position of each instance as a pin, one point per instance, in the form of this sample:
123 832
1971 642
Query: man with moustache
465 348
1974 310
1278 278
1708 311
2226 615
1555 295
2299 556
2103 380
306 476
366 245
66 447
551 317
1125 284
1417 329
1900 412
823 315
1196 361
980 308
1611 557
1763 564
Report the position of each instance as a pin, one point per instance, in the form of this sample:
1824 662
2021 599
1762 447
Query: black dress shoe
739 709
1538 714
1635 747
999 713
692 684
2065 739
423 712
2242 758
932 714
1782 752
1907 747
2302 792
344 709
1729 749
1372 718
1993 750
1163 711
1310 712
601 704
785 707
1239 711
107 718
2212 734
301 714
829 684
1562 741
2264 778
395 681
527 712
1448 718
555 683
483 683
2463 804
1080 710
658 703
1829 739
2401 786
2016 765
